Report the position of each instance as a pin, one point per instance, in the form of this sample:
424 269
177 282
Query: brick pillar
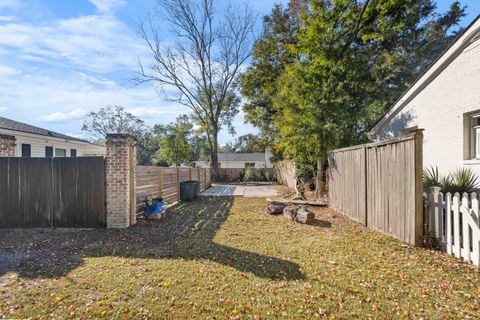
120 176
7 146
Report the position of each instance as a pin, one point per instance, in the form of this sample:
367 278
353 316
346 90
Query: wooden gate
52 192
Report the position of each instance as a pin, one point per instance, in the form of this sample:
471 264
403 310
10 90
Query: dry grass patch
225 258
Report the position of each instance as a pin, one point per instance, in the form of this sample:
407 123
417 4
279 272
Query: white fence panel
454 220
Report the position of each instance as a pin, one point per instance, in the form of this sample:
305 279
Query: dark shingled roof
23 127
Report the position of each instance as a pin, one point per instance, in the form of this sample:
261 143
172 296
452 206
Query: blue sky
61 59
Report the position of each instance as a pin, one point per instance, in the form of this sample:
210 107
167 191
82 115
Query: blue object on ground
157 207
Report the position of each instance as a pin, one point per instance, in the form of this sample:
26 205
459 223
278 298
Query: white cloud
107 5
7 18
64 101
3 109
63 116
158 111
99 43
8 71
9 3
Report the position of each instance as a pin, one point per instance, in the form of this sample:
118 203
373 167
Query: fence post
160 182
120 178
433 220
205 179
190 174
178 184
418 223
7 145
365 185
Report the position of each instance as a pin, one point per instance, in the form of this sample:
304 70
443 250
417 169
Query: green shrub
461 180
431 178
464 180
248 176
259 176
268 176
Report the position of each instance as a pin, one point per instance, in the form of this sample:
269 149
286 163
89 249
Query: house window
248 164
60 152
73 152
26 150
471 136
48 152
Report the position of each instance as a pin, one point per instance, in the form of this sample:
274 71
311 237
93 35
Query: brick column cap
121 136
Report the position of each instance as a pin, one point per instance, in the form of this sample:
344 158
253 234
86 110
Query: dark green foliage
461 180
116 119
178 143
464 180
431 178
271 55
247 143
321 77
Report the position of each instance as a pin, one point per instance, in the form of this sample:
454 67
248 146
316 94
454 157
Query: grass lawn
226 258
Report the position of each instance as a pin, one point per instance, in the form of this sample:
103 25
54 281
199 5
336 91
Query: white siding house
445 103
232 160
32 141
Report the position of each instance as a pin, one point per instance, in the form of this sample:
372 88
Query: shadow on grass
320 223
186 232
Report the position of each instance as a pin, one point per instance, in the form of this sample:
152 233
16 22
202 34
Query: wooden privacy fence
380 185
52 192
454 222
286 173
165 182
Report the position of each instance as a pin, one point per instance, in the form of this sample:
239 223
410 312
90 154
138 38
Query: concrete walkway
242 190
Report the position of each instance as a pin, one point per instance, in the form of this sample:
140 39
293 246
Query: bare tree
202 63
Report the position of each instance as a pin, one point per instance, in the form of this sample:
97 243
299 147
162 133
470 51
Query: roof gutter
442 62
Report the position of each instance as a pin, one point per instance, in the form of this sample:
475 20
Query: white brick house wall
439 110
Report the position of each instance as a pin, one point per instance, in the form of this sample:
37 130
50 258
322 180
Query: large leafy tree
246 144
174 142
271 55
116 119
351 59
200 66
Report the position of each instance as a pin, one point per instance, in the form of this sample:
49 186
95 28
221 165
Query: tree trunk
214 156
319 181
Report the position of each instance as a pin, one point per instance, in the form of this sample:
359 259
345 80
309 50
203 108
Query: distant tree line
176 143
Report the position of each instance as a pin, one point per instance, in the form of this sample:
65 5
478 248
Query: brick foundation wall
120 177
7 146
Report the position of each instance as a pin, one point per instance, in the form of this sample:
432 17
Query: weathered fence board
347 183
52 192
285 173
380 185
165 182
79 192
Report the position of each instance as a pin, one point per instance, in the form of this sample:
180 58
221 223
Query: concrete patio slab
242 190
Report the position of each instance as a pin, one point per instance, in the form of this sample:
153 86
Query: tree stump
304 216
275 208
290 212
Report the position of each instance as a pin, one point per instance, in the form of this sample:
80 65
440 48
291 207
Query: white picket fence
454 221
